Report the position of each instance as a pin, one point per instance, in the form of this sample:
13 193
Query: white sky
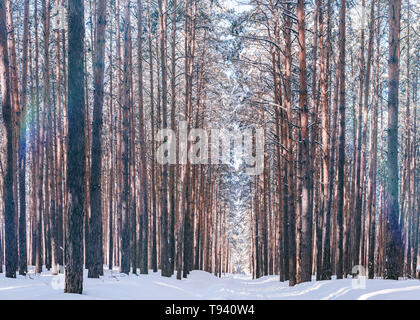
237 5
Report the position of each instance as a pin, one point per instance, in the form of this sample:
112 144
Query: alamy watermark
213 146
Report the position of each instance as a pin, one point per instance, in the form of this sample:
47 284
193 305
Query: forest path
201 285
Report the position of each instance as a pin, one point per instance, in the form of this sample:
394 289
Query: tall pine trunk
393 245
144 205
9 179
165 262
95 235
22 147
342 141
307 206
125 231
76 147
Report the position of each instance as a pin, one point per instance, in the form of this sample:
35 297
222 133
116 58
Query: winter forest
109 109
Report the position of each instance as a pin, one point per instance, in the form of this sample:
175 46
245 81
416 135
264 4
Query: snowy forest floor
202 286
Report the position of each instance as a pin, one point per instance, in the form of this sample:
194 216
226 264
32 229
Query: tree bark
76 147
95 232
9 179
125 231
307 205
165 261
393 229
143 163
342 141
22 147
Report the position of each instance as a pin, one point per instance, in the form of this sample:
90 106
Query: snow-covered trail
201 285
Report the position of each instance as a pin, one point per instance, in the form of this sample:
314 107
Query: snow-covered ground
201 285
